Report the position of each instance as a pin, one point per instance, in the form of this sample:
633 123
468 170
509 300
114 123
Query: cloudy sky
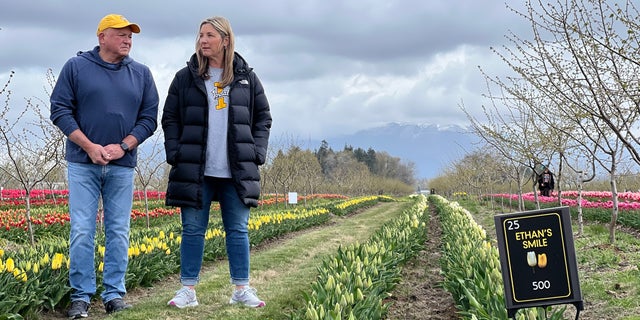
329 67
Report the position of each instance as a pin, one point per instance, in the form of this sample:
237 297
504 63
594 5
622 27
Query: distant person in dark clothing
545 182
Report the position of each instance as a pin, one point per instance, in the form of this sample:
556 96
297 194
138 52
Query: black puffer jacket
185 125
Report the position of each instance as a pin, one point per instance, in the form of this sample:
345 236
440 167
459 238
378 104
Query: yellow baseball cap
116 21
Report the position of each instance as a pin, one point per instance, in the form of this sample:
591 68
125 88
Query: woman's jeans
87 182
235 218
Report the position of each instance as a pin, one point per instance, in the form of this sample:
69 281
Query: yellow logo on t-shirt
219 94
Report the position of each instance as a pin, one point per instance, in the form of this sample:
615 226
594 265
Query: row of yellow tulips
349 206
471 265
353 283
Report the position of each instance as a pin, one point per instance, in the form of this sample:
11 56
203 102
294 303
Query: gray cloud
329 66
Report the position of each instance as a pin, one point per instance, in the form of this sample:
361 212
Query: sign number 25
513 225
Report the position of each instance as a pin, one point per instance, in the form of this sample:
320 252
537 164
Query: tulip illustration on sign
539 260
532 261
542 260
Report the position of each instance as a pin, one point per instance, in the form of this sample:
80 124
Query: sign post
538 259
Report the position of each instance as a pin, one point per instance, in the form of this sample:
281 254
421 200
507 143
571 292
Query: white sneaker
184 297
248 297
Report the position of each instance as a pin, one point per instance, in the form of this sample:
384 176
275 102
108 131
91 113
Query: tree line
351 171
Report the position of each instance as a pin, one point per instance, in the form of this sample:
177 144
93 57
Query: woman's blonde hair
223 27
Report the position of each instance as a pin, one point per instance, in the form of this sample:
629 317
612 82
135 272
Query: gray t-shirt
217 164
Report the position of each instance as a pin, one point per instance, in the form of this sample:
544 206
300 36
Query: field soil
420 294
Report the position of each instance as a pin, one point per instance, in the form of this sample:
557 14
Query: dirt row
420 294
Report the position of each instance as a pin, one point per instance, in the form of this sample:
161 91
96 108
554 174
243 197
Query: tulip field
596 205
591 199
352 284
34 278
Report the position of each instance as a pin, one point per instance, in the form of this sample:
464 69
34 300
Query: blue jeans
235 218
87 182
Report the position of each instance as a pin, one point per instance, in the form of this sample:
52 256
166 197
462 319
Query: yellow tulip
359 295
46 259
10 265
542 260
56 262
311 314
20 275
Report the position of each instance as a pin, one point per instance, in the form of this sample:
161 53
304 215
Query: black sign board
538 259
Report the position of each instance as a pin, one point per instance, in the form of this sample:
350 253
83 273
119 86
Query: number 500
540 285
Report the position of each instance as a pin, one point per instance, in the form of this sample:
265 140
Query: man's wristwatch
124 146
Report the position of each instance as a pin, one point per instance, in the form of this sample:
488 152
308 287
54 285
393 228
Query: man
106 104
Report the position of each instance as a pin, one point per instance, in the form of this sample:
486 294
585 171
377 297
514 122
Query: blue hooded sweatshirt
106 102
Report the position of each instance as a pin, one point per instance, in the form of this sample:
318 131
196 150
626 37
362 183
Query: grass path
281 271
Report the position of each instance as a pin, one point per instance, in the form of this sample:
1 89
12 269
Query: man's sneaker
79 309
184 297
115 305
248 297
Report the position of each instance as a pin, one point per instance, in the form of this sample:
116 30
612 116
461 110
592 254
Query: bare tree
266 177
271 173
349 174
512 129
583 176
34 146
583 57
56 180
285 169
310 173
149 167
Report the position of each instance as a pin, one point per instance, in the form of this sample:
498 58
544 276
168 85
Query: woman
216 124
